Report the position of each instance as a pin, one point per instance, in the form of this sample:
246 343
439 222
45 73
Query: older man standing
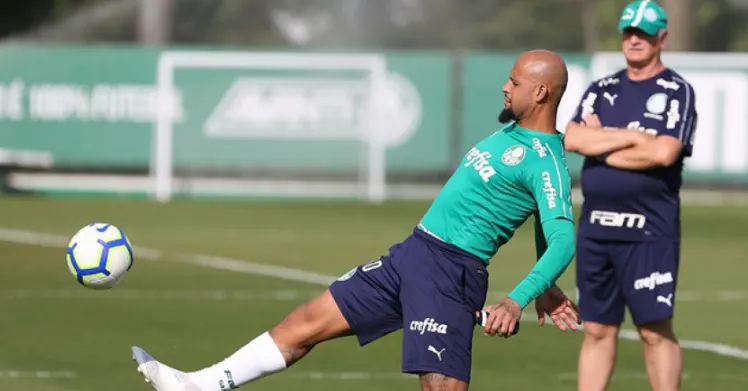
635 128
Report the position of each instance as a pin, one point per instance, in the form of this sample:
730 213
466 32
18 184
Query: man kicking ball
432 284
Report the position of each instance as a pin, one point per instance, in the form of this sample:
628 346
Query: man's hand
503 317
589 138
660 151
562 311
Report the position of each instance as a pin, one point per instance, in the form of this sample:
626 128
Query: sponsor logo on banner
314 108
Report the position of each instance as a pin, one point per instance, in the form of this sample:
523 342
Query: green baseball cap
645 15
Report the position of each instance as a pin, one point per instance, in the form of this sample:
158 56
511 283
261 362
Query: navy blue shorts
612 275
426 287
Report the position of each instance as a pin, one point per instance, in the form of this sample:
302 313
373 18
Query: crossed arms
628 149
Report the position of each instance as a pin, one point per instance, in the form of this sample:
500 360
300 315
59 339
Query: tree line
566 25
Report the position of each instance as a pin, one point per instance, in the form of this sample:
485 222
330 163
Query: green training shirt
500 182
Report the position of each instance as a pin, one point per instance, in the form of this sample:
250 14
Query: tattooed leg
311 323
317 321
439 382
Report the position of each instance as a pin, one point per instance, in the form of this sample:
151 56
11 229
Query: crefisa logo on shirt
538 147
550 192
479 161
668 84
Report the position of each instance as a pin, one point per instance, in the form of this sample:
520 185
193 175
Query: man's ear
542 93
663 39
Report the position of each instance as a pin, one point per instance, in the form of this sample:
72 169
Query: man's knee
599 332
655 333
439 382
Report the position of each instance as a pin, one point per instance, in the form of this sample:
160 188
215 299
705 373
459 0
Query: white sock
260 357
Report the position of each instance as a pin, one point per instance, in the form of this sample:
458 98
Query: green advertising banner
304 119
96 107
86 106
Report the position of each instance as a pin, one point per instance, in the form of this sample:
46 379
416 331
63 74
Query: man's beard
507 115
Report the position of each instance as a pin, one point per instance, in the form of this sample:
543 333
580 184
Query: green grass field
59 336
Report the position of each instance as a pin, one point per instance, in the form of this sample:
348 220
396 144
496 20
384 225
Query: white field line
174 295
221 263
681 296
564 376
618 376
267 295
248 187
350 376
40 374
642 376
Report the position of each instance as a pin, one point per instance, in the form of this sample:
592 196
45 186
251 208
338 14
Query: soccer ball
99 256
